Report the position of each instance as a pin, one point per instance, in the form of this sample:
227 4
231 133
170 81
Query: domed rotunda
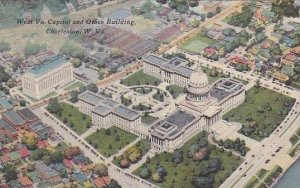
198 90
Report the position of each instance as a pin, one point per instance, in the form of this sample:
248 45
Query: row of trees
242 19
237 145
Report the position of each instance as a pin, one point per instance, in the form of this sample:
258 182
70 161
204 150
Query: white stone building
204 106
106 112
45 78
175 71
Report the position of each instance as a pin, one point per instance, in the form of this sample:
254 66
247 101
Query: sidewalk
120 152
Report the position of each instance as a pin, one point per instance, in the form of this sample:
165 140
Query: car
273 155
240 168
253 155
267 161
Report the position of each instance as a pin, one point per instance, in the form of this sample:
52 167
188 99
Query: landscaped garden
109 141
261 113
196 164
197 43
70 115
175 90
133 154
140 78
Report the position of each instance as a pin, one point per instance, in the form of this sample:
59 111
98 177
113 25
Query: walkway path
133 167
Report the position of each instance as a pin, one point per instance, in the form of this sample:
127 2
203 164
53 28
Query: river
291 178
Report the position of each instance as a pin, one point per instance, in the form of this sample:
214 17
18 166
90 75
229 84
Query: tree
10 172
30 141
117 138
218 10
92 87
74 96
195 23
177 157
22 103
70 152
82 89
133 154
113 184
156 177
145 172
76 62
54 107
210 14
260 37
203 182
56 156
100 170
116 53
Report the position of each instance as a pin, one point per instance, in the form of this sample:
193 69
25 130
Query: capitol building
202 107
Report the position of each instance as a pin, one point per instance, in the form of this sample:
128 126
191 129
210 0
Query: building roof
225 87
90 97
101 181
5 104
155 60
184 71
102 110
27 114
126 113
14 117
110 103
47 65
25 181
14 155
49 172
79 177
33 176
7 127
24 152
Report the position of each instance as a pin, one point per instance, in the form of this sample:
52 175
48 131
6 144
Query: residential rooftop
4 125
14 117
28 114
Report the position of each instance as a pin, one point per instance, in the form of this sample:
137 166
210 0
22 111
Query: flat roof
126 113
185 71
14 117
90 97
102 110
110 103
156 60
47 65
180 118
219 92
5 104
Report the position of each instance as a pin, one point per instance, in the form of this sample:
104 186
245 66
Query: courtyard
140 78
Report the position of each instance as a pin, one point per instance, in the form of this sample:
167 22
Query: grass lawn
197 43
260 114
175 90
140 78
148 120
182 174
73 85
212 79
106 143
79 122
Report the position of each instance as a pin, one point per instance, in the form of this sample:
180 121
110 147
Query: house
8 130
79 177
14 119
101 182
5 105
42 131
5 159
47 174
33 177
24 152
79 159
42 144
208 52
280 76
25 181
28 115
287 28
68 163
14 157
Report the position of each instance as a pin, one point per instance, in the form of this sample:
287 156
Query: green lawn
260 114
73 85
182 174
104 140
148 120
140 78
197 43
72 114
212 79
175 90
